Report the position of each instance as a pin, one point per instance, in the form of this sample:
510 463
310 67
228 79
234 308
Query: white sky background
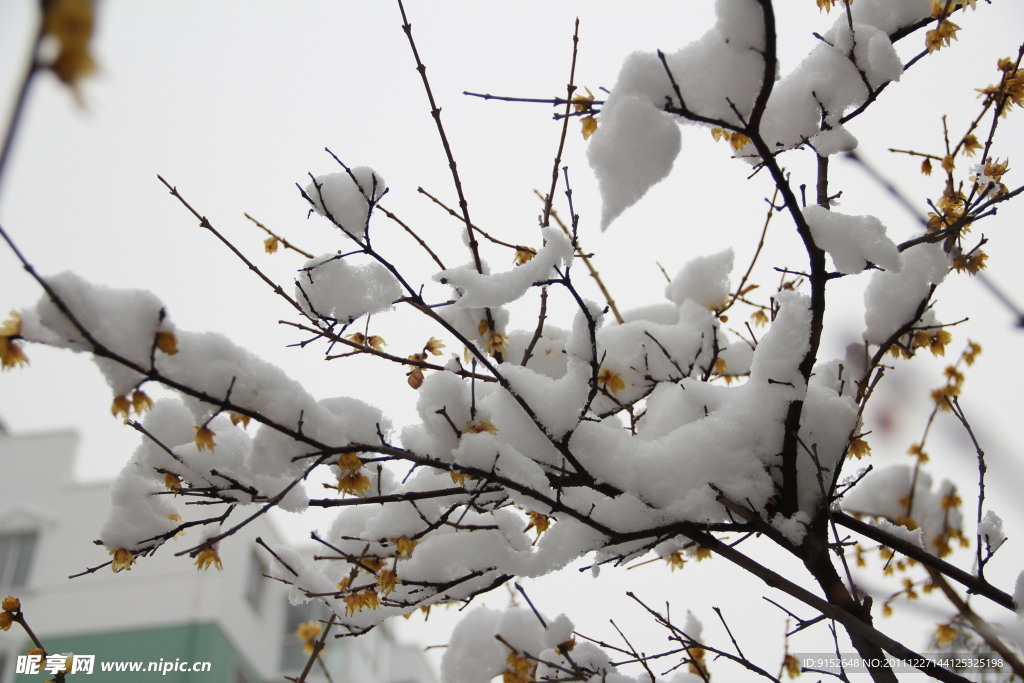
233 102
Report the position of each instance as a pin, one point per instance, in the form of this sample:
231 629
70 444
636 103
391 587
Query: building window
16 552
255 582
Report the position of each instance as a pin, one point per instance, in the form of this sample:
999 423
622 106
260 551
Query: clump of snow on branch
331 288
345 198
476 290
852 241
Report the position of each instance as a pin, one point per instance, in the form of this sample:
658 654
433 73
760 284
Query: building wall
164 606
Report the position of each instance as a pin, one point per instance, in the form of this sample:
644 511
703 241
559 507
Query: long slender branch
972 583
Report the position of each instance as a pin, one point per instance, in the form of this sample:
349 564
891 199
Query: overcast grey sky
233 102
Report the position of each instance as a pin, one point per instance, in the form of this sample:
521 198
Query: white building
164 610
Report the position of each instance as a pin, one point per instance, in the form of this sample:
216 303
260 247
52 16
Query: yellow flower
349 463
611 380
460 478
270 244
759 318
308 632
11 354
539 522
415 378
355 602
433 346
356 483
941 395
971 145
858 449
791 665
520 669
12 326
972 351
208 557
172 481
481 426
167 342
738 140
941 36
141 402
918 451
11 604
926 167
204 439
676 560
376 343
496 343
589 126
404 546
6 621
945 634
582 103
121 406
387 580
523 254
239 419
951 501
122 560
700 552
70 23
371 564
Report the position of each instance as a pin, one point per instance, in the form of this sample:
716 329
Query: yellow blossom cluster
827 4
11 606
523 254
373 341
124 405
611 380
583 104
859 448
208 557
70 24
123 559
519 670
11 353
307 632
676 560
204 438
432 347
494 342
359 600
351 478
539 522
736 139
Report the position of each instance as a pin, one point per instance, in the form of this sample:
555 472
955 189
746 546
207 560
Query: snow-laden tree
550 425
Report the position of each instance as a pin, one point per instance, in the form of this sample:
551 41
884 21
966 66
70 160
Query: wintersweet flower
356 602
611 380
387 580
404 546
308 632
121 407
141 402
122 560
6 621
167 342
208 557
204 439
11 604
